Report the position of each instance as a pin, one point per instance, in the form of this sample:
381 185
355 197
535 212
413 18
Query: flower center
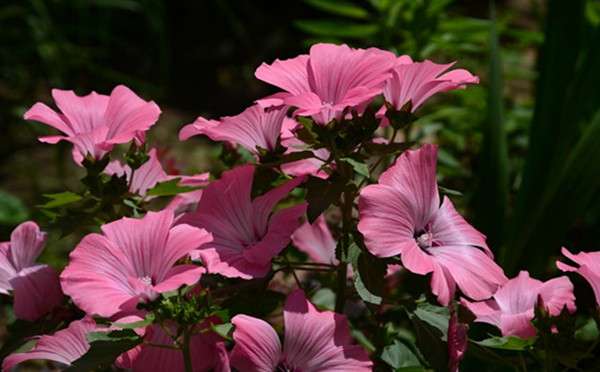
146 280
283 367
424 239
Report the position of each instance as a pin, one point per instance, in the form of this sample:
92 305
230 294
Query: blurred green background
522 148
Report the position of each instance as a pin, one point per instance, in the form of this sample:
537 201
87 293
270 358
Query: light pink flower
329 80
207 350
589 268
316 241
254 128
131 261
415 82
35 287
314 341
247 234
64 346
511 309
96 122
401 215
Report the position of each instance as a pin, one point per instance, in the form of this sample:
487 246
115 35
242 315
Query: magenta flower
589 268
96 122
415 82
331 79
131 261
247 234
511 309
313 341
64 346
254 128
316 241
35 287
207 350
401 215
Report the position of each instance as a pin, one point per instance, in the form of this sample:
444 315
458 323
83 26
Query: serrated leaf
369 275
12 210
507 343
105 347
170 188
61 199
398 355
320 194
341 8
358 166
333 28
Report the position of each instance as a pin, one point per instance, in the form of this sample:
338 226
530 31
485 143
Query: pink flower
314 341
415 82
254 128
401 215
96 122
316 241
64 346
144 178
512 307
589 268
207 350
35 287
131 261
457 341
329 80
247 234
309 166
188 201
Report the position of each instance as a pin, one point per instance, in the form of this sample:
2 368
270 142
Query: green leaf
61 199
398 355
435 316
358 166
224 330
507 343
492 191
12 210
105 347
430 343
333 28
588 332
341 8
320 194
369 274
170 188
324 298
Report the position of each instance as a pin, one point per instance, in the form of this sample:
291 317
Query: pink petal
64 346
26 244
199 126
443 284
44 114
450 228
414 175
36 292
127 114
84 114
589 268
519 294
7 269
386 220
274 100
289 75
316 241
319 341
180 275
457 342
558 293
148 175
485 311
257 347
416 260
477 275
517 324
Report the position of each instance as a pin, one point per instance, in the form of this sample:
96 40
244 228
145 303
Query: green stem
185 349
342 271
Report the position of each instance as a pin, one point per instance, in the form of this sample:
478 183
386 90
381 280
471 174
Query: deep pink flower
589 268
207 350
96 122
401 215
329 80
316 241
254 128
511 309
64 346
415 82
457 341
132 260
247 234
35 287
314 341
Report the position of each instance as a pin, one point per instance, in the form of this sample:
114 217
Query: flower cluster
313 199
